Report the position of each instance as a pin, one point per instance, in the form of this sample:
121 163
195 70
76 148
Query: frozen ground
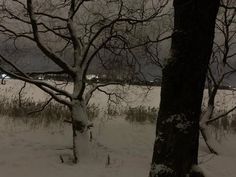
35 153
132 95
27 152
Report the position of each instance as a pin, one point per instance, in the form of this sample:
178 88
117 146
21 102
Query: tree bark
210 141
80 131
79 121
177 130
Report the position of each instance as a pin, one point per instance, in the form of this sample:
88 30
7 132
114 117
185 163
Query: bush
93 111
141 114
30 111
233 124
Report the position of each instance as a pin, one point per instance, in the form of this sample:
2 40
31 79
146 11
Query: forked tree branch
51 90
47 52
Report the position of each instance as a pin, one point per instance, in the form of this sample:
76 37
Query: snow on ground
132 95
35 153
28 152
222 165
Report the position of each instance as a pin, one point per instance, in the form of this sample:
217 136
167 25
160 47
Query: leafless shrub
141 114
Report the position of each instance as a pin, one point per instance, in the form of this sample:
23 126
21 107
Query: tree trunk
177 131
210 141
80 130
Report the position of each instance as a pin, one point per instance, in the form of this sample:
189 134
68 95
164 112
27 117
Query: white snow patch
196 168
161 169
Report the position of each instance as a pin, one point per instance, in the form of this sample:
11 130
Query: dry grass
36 113
141 114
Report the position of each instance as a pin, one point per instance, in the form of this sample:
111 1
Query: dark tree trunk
177 130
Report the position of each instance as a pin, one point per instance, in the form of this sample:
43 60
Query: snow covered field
27 152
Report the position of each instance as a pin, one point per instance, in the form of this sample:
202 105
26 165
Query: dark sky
30 58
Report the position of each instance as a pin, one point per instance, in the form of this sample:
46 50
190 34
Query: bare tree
222 66
177 133
82 28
